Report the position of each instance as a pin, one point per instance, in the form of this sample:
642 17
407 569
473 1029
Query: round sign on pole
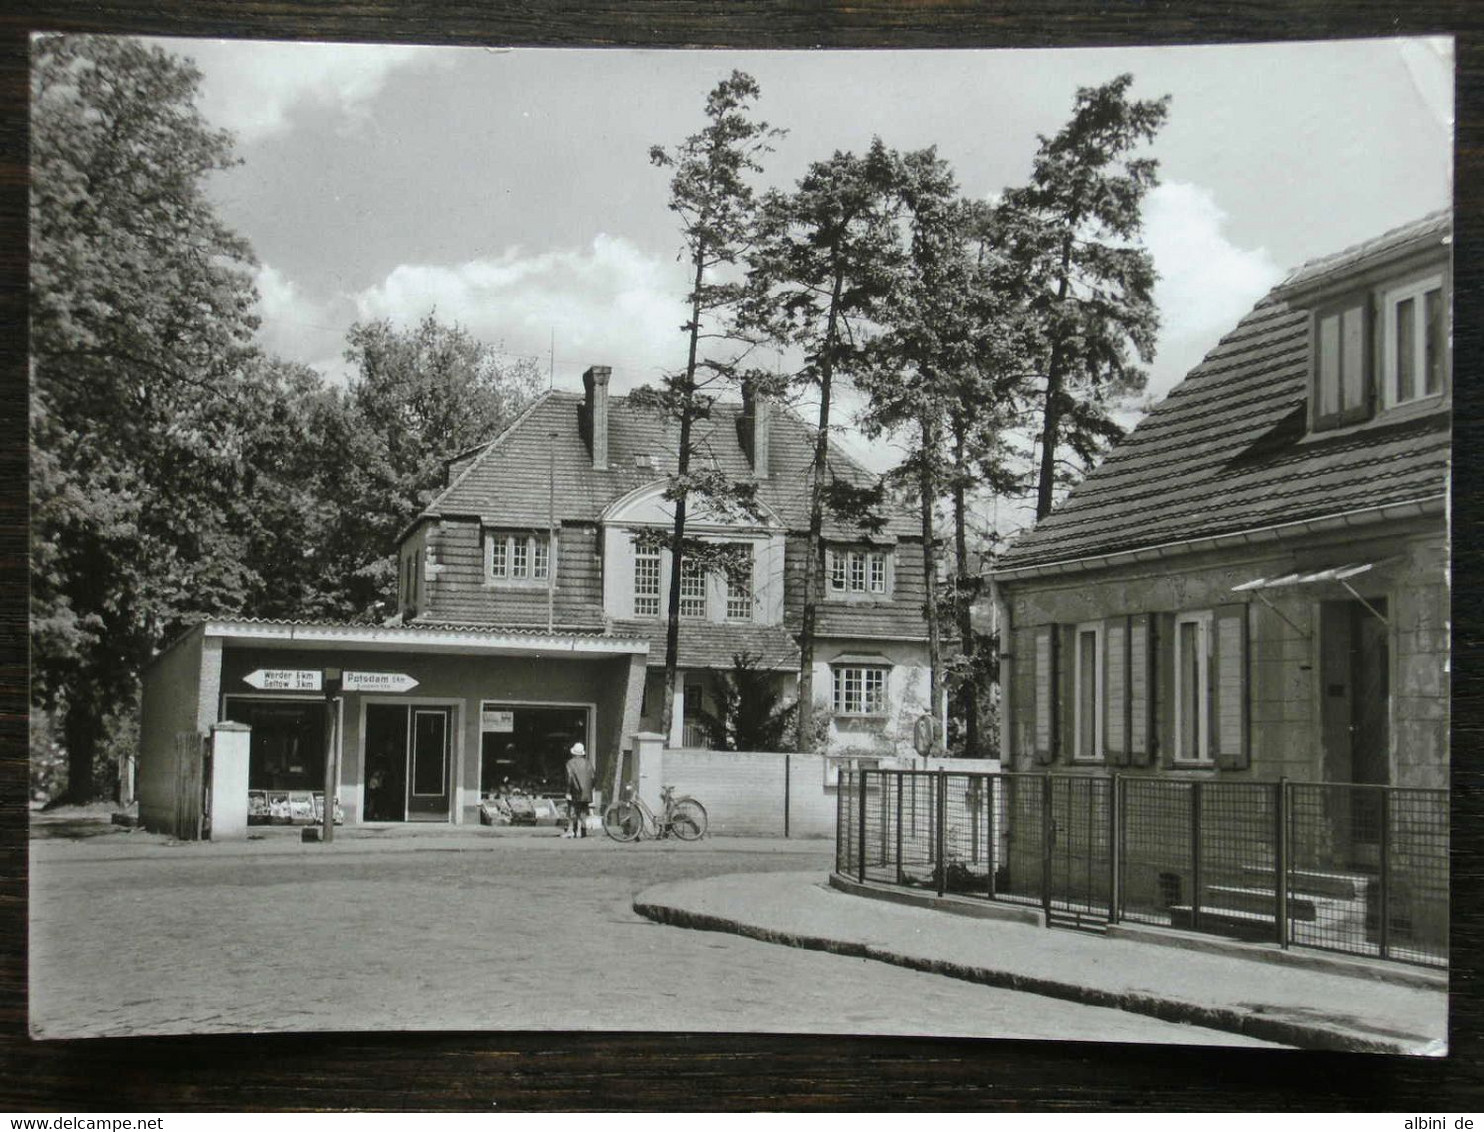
922 734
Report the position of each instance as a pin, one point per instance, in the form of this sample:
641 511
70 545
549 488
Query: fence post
940 838
1280 863
841 785
860 863
1385 909
992 796
787 782
1195 856
1115 847
1048 820
901 878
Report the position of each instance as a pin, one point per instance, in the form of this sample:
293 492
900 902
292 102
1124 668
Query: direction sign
377 682
284 679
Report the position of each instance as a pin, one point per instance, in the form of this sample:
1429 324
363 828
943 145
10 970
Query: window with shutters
1087 692
1192 688
1379 350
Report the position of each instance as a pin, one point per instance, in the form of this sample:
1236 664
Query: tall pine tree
711 194
1072 233
825 258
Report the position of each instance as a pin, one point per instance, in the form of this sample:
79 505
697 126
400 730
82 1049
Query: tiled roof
509 482
1431 230
714 646
1229 449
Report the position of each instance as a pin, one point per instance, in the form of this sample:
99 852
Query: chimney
752 428
595 413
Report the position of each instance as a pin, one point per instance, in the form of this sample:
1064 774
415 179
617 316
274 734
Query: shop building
427 720
531 615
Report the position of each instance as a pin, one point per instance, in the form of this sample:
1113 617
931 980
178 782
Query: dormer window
511 557
1412 365
1340 365
1380 349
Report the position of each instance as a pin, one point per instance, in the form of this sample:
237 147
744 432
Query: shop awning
1308 577
1339 575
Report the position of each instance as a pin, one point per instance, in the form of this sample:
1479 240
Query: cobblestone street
131 936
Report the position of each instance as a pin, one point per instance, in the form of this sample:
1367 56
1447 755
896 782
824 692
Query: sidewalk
1345 1004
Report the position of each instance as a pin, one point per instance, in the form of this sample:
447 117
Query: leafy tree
420 396
822 263
1071 233
141 316
750 713
710 193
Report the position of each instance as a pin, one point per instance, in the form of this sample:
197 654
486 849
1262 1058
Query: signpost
284 679
333 687
377 682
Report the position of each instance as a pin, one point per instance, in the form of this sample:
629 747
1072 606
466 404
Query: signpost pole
332 748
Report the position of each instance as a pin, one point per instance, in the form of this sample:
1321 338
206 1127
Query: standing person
579 790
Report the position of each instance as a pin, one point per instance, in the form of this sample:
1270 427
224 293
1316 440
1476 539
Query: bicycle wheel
688 819
622 821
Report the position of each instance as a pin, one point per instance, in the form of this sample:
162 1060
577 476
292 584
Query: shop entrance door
1356 715
408 762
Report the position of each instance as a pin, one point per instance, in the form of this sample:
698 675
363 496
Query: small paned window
692 590
859 690
519 558
858 572
739 589
646 582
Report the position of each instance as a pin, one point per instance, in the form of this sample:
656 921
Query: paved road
132 937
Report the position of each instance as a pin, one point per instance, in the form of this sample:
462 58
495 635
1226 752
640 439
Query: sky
510 190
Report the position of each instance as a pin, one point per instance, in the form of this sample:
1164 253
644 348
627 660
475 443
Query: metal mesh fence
1366 867
1157 878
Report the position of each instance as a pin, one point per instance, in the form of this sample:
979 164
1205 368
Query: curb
1255 1024
1351 967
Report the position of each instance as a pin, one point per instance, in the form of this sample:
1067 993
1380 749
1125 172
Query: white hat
578 749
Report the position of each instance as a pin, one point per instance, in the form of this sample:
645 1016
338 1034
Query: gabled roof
509 481
1228 450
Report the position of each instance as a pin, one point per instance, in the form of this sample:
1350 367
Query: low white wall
755 793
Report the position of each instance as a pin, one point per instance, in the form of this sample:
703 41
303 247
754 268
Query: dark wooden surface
510 1072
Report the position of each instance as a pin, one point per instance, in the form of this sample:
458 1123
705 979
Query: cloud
254 88
607 304
1206 283
291 323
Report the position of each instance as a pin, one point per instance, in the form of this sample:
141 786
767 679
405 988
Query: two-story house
1254 584
533 596
561 520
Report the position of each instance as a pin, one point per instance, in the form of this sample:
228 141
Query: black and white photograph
943 544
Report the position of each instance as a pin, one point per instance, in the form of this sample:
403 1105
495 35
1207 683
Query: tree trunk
81 732
969 700
1051 423
814 551
929 575
677 535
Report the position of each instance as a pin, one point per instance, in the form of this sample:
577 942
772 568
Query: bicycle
630 818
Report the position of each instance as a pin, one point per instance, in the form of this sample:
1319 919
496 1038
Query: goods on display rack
289 807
